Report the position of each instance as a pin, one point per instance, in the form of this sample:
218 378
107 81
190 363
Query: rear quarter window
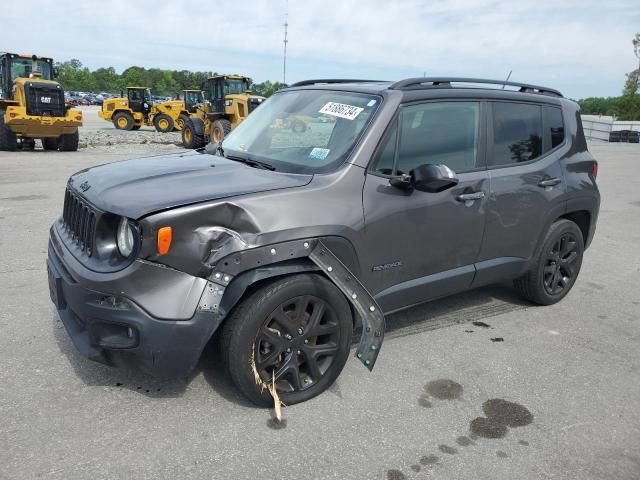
517 133
554 127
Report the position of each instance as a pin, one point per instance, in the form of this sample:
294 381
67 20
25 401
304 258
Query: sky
581 47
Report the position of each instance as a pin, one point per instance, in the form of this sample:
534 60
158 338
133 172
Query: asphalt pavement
476 386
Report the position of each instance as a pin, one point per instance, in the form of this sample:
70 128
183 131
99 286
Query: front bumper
25 125
111 328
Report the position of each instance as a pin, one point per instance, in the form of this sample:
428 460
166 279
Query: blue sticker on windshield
319 153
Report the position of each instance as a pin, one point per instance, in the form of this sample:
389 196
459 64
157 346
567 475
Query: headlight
125 237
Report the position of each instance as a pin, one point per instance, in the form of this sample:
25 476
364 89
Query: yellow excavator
229 102
32 106
136 109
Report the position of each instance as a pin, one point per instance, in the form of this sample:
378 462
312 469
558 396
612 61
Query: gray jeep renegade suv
335 203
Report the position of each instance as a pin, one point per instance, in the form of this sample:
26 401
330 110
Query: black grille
45 99
253 104
80 220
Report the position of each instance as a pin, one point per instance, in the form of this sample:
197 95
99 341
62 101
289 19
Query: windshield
304 131
235 85
193 98
22 67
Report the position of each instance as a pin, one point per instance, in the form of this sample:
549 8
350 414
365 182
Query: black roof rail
333 80
440 82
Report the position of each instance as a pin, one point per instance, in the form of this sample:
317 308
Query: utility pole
285 41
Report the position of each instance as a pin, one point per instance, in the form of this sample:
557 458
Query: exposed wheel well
242 290
582 218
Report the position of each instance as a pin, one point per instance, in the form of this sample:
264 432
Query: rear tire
50 143
8 139
182 119
123 121
69 142
163 123
190 137
556 266
299 326
219 130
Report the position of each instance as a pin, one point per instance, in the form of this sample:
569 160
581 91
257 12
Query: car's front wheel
555 269
295 331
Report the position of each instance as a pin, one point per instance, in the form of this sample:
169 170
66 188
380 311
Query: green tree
267 88
632 85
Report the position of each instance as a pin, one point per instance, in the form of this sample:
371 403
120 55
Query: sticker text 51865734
341 110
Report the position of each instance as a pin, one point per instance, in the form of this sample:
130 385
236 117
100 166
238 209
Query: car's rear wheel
296 330
556 268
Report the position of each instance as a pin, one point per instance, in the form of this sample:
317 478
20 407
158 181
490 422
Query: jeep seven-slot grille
80 219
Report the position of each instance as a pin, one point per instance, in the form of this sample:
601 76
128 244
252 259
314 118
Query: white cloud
581 47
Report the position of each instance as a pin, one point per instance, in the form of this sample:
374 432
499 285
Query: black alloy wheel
297 343
559 271
555 267
294 331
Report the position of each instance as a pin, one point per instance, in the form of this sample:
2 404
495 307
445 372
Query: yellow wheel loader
130 112
193 105
32 106
136 109
229 102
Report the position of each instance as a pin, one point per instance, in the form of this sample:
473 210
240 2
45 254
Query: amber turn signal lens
165 235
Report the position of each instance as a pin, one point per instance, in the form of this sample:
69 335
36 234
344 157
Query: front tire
69 142
219 130
50 144
556 267
123 121
300 329
190 137
8 139
163 123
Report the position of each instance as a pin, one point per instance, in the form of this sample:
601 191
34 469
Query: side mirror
426 178
433 178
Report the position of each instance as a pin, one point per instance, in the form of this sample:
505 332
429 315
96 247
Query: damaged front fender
221 294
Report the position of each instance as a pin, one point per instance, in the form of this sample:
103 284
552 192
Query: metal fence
597 127
626 125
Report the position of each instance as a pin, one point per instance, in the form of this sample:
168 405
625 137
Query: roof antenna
507 79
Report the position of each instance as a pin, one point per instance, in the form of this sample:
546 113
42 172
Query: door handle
470 197
551 182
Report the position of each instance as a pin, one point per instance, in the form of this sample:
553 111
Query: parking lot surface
477 386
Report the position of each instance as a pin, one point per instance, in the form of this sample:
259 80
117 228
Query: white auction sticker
341 110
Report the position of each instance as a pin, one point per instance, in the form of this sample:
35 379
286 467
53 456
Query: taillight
595 169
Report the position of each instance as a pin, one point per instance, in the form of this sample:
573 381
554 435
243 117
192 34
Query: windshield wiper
251 162
246 160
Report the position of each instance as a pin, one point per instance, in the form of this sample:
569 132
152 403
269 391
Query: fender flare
232 275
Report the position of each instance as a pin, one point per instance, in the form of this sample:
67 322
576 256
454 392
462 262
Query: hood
136 188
